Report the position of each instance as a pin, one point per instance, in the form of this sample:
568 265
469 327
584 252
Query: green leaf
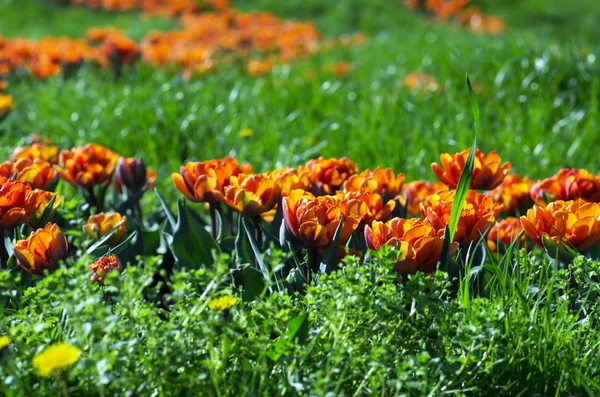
101 245
464 182
297 328
250 281
257 253
168 212
243 250
48 211
119 248
192 244
330 261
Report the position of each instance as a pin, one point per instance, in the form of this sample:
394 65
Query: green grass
367 333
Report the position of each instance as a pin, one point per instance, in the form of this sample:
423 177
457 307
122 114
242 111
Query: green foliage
360 330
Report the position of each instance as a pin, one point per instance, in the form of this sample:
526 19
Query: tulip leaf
168 212
464 183
94 249
330 261
258 254
445 254
558 252
297 329
119 248
192 244
243 250
250 281
277 219
45 218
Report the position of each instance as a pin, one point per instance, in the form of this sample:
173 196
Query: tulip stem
313 262
92 198
259 234
3 252
213 220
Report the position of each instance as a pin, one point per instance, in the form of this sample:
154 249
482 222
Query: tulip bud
101 224
42 250
131 173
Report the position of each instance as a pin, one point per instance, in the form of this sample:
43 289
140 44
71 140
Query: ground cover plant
305 199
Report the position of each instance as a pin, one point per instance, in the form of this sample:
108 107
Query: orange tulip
251 194
36 151
42 250
101 224
102 266
567 184
488 173
328 175
368 206
291 179
381 180
477 217
15 198
417 191
575 224
420 243
513 193
504 233
88 165
203 181
314 220
38 173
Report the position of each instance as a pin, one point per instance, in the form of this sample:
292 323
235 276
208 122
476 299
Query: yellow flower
224 303
55 359
4 341
246 133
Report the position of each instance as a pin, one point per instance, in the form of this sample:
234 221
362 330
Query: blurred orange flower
575 224
6 103
419 242
314 220
101 224
102 266
328 175
203 181
513 193
381 180
421 81
257 67
88 165
251 194
42 250
503 233
488 173
15 198
35 151
417 191
567 184
477 217
368 206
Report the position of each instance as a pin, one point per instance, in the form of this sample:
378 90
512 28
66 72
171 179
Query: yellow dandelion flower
4 341
55 359
246 133
223 303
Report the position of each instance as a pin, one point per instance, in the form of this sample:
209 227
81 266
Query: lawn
512 322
